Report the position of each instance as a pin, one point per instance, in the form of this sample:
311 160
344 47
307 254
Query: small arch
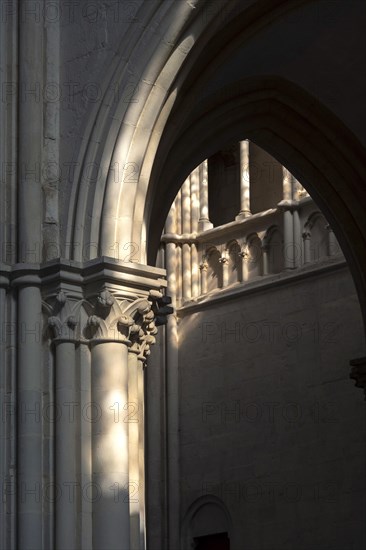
319 236
235 262
274 242
214 272
254 247
207 515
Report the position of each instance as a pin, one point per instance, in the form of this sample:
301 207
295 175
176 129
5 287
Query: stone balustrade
252 247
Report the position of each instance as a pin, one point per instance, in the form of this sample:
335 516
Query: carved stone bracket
358 372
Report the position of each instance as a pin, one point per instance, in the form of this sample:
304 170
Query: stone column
297 246
333 246
186 272
306 236
142 337
3 401
115 331
30 461
30 419
195 271
67 426
244 254
178 228
119 322
172 400
204 220
142 450
133 408
195 200
186 249
245 211
288 240
265 267
224 261
203 270
179 278
92 494
195 214
186 207
110 438
8 418
288 223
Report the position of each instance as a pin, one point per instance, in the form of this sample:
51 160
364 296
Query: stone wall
269 422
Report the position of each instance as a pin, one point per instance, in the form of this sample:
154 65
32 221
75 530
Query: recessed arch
212 515
176 132
294 128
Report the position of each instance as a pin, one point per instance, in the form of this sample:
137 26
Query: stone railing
252 247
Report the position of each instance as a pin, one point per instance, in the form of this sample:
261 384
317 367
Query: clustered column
189 214
291 222
100 349
121 334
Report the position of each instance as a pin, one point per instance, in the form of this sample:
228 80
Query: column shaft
170 224
187 271
31 118
172 411
178 213
265 269
297 248
288 240
173 432
204 220
67 433
245 266
244 180
110 468
288 222
141 443
333 246
134 410
179 281
4 503
195 271
195 213
30 441
225 272
186 207
307 250
203 269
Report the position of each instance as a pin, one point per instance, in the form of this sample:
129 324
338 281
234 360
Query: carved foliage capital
132 322
63 323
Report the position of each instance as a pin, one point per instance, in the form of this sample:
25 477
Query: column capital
285 205
130 322
244 251
104 301
63 321
223 260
